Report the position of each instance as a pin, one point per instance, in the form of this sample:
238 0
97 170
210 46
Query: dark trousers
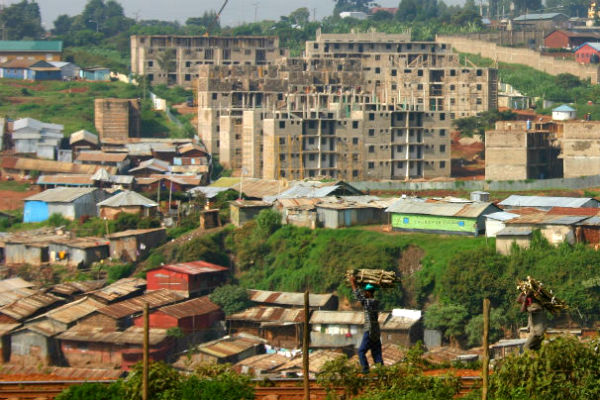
369 344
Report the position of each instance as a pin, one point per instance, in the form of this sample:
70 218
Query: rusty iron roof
10 296
49 166
61 372
260 188
66 179
270 315
74 311
155 299
132 335
14 284
263 362
343 317
121 288
250 203
81 243
585 211
316 361
25 307
288 298
229 346
47 327
7 328
133 232
83 135
543 218
101 156
76 287
190 308
194 267
128 198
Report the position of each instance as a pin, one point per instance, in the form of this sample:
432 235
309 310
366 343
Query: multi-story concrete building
383 111
518 150
173 60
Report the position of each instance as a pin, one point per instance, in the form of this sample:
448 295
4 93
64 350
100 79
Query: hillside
72 104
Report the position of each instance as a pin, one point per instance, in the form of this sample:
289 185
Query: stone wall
523 56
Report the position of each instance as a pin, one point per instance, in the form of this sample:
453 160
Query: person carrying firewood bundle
371 339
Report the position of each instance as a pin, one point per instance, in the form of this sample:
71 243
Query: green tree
474 329
22 21
300 16
267 222
448 318
231 298
351 5
92 391
62 25
162 378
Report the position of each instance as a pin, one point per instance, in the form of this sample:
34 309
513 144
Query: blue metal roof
534 17
547 201
593 45
564 108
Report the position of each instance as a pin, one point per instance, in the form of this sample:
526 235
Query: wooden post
486 349
305 340
146 353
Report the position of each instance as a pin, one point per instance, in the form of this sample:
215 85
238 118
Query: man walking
372 337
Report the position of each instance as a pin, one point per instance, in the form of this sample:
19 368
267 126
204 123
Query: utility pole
170 194
486 349
146 359
255 11
305 340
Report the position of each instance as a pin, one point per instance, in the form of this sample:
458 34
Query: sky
236 12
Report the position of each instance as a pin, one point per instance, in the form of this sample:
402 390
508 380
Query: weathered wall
504 244
523 56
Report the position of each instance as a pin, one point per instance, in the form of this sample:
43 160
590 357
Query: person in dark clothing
372 337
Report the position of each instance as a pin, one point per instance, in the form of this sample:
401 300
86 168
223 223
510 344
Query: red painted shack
188 279
586 52
191 316
560 39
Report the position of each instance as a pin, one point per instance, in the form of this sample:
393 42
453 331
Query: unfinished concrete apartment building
173 60
357 106
518 150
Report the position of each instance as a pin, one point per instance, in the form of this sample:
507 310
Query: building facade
357 106
173 60
117 119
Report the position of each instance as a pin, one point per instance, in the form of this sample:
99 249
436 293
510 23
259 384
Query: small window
371 132
461 223
281 140
394 72
405 220
479 72
442 132
478 87
419 87
371 116
377 70
354 124
354 173
150 63
371 165
371 149
281 124
354 141
442 117
188 64
442 164
442 148
420 72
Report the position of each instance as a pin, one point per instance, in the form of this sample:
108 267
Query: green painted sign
434 223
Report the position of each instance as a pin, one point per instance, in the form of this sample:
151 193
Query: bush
58 220
119 271
231 298
92 391
162 381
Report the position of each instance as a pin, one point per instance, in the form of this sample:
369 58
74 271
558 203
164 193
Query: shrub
119 271
92 391
231 298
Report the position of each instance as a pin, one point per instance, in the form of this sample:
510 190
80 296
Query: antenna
255 11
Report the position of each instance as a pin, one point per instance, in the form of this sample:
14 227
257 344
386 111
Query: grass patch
14 186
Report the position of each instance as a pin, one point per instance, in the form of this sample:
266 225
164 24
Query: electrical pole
146 359
486 349
305 340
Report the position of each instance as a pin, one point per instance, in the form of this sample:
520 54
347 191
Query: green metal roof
31 45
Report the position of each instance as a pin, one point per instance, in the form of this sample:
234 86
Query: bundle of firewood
545 297
379 277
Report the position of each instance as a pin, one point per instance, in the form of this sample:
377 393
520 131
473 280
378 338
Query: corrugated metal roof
61 372
300 191
35 124
512 231
186 180
228 346
468 210
74 311
83 135
186 148
49 166
585 211
564 107
132 335
516 200
46 328
502 216
195 267
66 179
263 362
134 232
288 298
592 221
127 198
155 299
152 164
25 307
60 195
76 287
226 182
121 288
509 342
81 243
8 297
100 156
316 361
197 306
14 283
7 328
269 314
208 191
250 203
342 317
537 17
543 218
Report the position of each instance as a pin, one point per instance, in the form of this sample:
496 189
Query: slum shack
242 211
135 244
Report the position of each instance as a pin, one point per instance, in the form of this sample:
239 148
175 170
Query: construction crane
215 19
